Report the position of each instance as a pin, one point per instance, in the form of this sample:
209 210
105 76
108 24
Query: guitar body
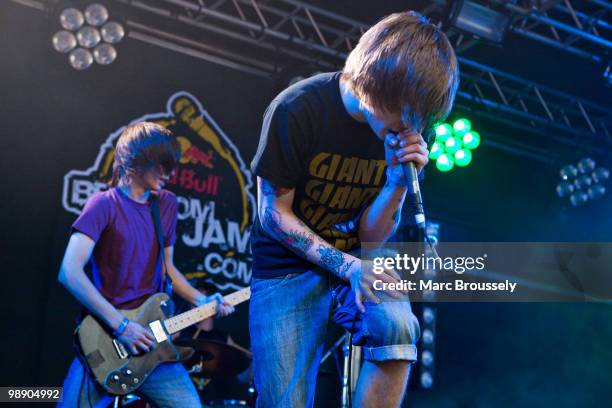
112 365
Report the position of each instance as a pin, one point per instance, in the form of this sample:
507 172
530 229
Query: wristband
122 327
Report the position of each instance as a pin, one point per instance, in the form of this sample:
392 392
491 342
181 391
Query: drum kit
212 360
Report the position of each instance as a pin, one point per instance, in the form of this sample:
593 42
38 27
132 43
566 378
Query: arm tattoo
268 188
298 241
333 259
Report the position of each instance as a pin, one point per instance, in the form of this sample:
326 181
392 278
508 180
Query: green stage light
471 139
463 157
462 126
443 132
444 163
452 144
436 150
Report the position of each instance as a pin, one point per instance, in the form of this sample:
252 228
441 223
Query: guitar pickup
121 351
159 331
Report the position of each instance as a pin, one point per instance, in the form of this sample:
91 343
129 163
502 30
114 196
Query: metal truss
578 27
308 33
268 35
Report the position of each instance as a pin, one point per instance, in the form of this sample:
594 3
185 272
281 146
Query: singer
330 175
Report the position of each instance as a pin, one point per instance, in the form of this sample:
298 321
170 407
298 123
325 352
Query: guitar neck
191 317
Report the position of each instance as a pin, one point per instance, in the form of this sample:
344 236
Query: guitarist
116 232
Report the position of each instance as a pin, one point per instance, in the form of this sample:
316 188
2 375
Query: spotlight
428 315
88 36
443 132
596 191
64 41
471 139
461 126
582 182
428 336
453 144
71 19
477 20
80 59
426 380
444 163
427 358
586 165
579 198
568 172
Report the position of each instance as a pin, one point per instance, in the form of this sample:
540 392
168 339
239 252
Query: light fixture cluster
88 36
454 144
428 317
582 182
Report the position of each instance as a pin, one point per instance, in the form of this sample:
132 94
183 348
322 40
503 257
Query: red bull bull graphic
214 189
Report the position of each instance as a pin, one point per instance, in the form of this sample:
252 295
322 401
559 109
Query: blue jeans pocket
260 286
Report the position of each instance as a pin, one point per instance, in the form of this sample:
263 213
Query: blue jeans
288 321
167 386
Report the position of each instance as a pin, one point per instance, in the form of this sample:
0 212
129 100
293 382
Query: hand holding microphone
406 154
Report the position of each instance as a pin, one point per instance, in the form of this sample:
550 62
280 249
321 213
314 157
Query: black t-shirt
336 165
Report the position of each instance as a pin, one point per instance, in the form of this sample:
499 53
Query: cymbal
213 358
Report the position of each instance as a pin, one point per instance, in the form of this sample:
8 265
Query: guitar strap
166 284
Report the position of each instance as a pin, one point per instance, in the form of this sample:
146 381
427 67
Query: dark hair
404 64
144 146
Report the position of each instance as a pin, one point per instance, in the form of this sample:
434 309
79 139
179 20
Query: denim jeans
288 321
167 386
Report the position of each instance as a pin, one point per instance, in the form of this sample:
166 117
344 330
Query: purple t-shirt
126 266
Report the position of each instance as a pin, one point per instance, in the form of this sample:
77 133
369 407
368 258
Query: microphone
412 182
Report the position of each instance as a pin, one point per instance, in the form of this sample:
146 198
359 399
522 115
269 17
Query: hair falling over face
142 147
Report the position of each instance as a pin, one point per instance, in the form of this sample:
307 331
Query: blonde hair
404 64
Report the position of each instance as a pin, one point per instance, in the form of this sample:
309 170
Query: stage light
443 132
427 358
444 163
462 126
586 165
426 380
579 198
436 151
471 140
64 41
96 14
428 315
80 59
582 182
71 19
452 145
479 21
112 32
568 172
600 175
596 191
81 34
104 54
565 188
88 37
428 336
463 157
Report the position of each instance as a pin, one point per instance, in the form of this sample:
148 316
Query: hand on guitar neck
138 339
